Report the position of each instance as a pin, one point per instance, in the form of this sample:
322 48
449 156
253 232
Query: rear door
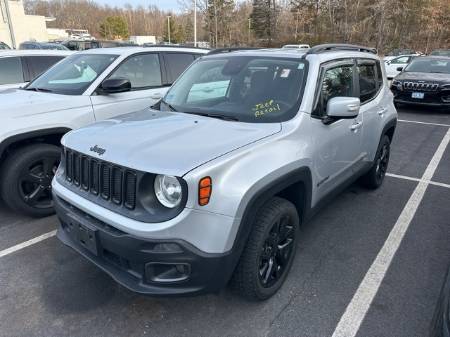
36 65
147 86
11 72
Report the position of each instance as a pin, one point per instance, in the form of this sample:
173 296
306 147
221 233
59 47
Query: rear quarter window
38 65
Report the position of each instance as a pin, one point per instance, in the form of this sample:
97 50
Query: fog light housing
160 272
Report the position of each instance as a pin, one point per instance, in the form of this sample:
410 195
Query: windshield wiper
38 89
218 116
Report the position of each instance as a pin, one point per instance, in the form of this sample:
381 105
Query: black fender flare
298 177
389 125
29 135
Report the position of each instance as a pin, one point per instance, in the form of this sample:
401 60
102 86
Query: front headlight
168 190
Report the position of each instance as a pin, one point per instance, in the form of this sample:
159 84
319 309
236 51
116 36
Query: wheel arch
295 186
47 136
389 129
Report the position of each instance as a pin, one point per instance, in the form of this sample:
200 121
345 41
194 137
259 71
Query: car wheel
375 177
269 252
26 179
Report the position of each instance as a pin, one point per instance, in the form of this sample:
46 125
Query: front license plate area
418 95
83 235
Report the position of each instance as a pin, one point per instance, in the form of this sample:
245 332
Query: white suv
83 88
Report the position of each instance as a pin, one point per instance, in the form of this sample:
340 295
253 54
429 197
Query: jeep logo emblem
98 150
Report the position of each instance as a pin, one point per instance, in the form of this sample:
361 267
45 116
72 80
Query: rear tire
26 179
269 252
375 177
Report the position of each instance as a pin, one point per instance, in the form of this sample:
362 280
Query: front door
337 145
144 73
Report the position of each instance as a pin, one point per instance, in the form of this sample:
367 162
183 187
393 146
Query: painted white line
28 243
425 123
355 312
435 183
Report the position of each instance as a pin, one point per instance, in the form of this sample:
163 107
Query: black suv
425 81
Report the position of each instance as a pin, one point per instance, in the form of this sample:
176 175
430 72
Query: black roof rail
229 50
149 45
323 48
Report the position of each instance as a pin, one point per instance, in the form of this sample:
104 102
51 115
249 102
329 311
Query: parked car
440 325
85 45
425 81
398 52
296 46
213 182
18 67
4 46
393 64
441 52
41 45
85 87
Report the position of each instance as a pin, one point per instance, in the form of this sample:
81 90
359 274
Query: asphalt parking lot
371 263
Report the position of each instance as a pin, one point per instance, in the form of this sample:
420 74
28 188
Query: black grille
420 86
112 183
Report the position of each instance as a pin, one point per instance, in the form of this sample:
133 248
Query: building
17 27
140 40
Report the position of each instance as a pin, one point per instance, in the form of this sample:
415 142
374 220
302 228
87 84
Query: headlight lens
168 190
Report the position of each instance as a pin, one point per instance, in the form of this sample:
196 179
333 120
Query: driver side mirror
115 85
399 68
343 107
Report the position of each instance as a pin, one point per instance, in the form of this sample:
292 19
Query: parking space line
28 243
425 123
435 183
356 310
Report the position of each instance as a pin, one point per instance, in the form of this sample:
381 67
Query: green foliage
114 27
263 20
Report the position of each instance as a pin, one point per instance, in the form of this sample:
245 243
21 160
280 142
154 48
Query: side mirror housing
115 85
399 68
343 107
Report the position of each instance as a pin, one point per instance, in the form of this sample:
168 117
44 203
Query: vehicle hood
165 142
428 77
17 103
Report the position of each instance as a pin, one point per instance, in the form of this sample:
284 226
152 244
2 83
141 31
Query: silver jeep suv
211 184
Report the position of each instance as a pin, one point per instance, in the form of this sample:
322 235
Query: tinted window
247 88
337 82
11 70
176 63
368 87
143 71
379 74
39 64
74 74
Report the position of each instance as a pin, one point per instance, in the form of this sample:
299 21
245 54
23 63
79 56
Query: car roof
35 52
300 53
126 51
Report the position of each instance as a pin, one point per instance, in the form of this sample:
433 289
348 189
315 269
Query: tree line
422 25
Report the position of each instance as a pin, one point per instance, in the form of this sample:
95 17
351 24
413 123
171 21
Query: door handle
356 126
157 95
382 112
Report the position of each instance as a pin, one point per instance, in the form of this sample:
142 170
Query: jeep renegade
211 184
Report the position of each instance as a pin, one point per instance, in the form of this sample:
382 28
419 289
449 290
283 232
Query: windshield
421 65
245 88
442 52
73 75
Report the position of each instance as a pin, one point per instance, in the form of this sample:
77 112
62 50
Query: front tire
26 179
269 252
375 177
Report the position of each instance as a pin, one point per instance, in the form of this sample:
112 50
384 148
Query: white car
391 65
17 67
85 87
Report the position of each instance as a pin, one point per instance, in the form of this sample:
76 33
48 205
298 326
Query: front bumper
153 267
435 98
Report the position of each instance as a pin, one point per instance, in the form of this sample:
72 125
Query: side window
379 74
368 86
176 63
337 82
401 60
143 71
38 65
11 70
